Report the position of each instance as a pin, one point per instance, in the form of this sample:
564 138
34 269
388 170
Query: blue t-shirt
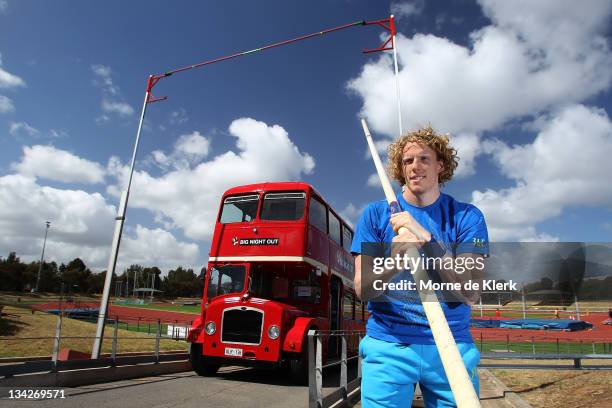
450 222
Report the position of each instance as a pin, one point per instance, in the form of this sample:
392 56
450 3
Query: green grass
171 308
544 347
17 324
517 314
144 327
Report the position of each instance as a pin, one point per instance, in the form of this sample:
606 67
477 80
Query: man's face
421 168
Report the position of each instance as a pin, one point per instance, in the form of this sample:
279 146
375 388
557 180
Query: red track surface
599 333
125 314
133 314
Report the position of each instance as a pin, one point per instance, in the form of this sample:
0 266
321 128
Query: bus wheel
199 364
298 367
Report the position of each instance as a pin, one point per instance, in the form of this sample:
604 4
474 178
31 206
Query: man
399 350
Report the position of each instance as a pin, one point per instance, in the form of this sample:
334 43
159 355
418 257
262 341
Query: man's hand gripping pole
458 378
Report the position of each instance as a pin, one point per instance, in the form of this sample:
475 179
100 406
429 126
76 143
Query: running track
126 313
599 333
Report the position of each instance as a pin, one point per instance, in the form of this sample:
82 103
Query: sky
522 88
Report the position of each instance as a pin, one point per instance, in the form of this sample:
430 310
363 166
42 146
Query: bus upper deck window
318 215
239 208
283 206
347 238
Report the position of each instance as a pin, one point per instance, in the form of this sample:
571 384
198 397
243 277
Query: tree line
599 288
76 277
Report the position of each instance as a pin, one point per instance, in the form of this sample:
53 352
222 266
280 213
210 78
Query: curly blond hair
428 137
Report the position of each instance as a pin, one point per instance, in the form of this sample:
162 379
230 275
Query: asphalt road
233 387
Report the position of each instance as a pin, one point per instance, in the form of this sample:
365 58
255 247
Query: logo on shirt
479 243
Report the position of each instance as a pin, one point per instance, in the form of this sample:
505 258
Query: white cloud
103 71
351 214
8 80
3 6
468 148
188 198
188 150
407 8
570 26
102 119
534 63
6 105
532 58
77 217
16 128
160 158
82 226
157 247
568 164
374 180
120 108
442 19
178 117
54 164
111 100
193 145
58 134
104 79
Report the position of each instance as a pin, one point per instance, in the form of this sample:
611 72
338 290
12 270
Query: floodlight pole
523 299
152 81
42 257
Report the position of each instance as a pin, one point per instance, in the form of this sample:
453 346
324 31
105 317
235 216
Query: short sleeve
367 230
473 236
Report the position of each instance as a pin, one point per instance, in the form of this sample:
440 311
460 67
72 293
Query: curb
75 378
8 360
511 397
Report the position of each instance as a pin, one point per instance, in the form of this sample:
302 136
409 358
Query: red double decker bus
279 265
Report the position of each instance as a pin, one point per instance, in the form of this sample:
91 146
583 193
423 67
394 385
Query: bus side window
347 238
358 310
317 215
347 306
334 228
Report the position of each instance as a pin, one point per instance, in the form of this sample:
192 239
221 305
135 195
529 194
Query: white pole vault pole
397 82
458 377
119 220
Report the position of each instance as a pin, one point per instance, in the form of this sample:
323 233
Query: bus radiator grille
242 326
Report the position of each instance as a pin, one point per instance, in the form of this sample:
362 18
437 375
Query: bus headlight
211 328
273 332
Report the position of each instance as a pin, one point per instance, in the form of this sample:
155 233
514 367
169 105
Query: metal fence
549 342
119 332
348 391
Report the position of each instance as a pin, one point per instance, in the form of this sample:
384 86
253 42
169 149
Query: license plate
234 352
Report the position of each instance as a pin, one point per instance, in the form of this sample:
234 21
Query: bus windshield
225 279
283 206
241 208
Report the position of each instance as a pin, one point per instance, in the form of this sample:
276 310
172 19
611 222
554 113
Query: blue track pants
390 372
